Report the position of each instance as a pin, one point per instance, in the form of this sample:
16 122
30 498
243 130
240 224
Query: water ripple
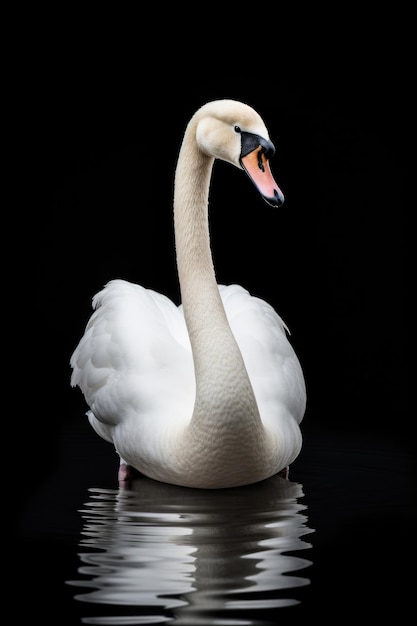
156 553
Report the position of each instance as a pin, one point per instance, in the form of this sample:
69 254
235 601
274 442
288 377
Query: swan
208 394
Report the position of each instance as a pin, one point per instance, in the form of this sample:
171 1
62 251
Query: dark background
104 126
98 115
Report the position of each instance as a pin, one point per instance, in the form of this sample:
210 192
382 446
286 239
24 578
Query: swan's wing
134 358
270 359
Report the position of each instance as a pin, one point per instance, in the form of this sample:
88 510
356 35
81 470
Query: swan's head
234 132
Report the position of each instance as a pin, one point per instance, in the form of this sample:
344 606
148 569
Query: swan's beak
255 161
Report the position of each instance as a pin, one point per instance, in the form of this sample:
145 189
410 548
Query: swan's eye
237 129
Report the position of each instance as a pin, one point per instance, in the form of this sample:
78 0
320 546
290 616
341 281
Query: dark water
336 540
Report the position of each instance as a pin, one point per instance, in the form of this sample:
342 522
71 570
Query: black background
100 113
104 125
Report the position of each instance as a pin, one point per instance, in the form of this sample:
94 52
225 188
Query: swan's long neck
224 395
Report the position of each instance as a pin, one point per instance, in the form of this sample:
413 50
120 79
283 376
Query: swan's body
209 394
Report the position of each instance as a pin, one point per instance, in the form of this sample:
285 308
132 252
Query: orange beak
256 165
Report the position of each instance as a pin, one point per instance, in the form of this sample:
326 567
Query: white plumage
210 393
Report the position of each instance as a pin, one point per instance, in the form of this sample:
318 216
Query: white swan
209 394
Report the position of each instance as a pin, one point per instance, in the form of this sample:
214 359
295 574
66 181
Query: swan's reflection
168 553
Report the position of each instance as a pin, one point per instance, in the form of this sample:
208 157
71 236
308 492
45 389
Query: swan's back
135 355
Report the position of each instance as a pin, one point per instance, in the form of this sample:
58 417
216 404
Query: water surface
335 541
156 553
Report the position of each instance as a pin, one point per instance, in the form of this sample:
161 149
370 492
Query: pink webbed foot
125 474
